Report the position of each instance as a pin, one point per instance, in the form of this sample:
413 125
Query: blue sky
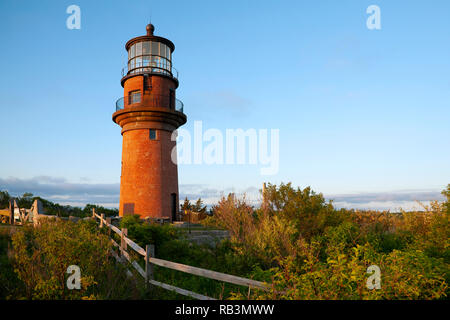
360 112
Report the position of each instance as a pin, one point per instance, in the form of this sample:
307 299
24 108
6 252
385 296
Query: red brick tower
148 114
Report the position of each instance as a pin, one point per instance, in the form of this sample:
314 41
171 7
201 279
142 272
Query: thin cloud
61 191
395 196
392 201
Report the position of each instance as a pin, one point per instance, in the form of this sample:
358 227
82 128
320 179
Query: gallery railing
150 67
150 100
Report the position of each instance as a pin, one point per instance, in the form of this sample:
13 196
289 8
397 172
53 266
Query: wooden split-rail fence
16 215
149 257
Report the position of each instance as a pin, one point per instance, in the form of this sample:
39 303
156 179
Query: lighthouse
148 114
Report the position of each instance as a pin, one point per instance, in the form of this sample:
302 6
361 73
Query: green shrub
43 253
10 285
144 233
331 249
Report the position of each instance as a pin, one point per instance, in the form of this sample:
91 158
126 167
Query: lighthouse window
133 51
163 50
152 134
139 62
167 52
149 56
146 48
155 48
134 97
138 48
145 62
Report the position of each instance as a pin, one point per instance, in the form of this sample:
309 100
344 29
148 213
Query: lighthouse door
174 206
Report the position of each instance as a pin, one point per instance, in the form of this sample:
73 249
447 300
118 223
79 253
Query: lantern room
150 54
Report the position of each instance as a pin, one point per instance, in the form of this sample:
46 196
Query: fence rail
149 258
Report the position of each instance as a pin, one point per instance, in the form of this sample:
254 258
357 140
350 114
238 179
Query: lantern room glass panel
155 48
132 51
138 49
146 48
149 56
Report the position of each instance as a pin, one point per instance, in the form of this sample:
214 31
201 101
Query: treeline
51 208
198 206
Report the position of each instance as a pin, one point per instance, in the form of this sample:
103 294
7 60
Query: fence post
190 213
109 222
102 218
93 213
11 211
149 253
123 243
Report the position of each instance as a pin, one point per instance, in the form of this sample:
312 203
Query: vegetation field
296 242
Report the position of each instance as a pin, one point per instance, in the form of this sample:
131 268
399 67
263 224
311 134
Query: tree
4 199
446 193
186 206
198 206
87 211
307 210
25 201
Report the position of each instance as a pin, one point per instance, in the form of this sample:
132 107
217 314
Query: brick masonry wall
149 177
